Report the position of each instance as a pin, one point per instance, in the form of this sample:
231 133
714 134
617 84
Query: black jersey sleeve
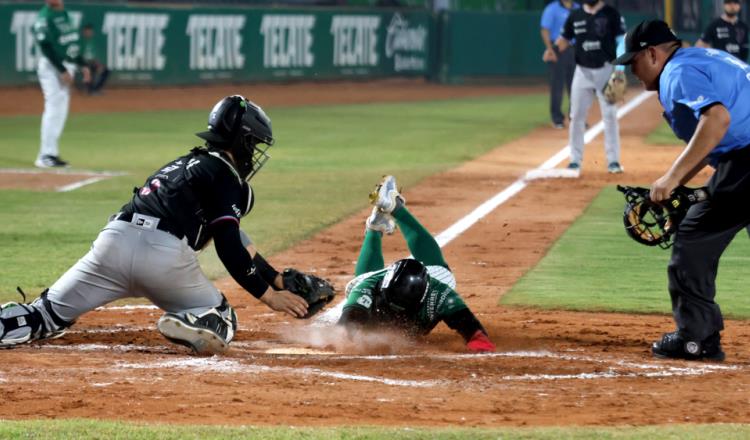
354 317
225 201
709 34
236 258
743 40
223 195
567 29
465 323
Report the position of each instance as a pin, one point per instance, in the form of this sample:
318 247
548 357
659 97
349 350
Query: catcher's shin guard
21 323
206 334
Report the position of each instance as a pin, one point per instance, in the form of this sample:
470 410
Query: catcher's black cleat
674 346
207 334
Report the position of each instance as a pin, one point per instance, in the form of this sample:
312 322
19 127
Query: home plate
297 350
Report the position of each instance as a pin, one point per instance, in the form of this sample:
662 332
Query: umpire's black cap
647 33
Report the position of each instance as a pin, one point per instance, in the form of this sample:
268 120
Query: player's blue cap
647 33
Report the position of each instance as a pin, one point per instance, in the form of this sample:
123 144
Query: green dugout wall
158 45
474 44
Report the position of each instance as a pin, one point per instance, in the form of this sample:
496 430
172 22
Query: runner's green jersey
57 37
441 301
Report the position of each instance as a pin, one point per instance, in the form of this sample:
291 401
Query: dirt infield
551 368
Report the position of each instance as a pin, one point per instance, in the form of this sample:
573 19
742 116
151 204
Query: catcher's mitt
654 224
614 90
316 291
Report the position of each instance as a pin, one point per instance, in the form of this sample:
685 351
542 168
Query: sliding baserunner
412 294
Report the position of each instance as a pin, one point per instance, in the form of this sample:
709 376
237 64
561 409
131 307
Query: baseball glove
614 90
654 224
316 291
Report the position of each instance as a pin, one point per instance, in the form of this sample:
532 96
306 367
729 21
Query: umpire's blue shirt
554 16
693 79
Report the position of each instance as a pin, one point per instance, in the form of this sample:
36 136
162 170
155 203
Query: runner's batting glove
480 343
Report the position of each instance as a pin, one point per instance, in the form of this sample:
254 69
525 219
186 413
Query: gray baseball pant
127 260
588 83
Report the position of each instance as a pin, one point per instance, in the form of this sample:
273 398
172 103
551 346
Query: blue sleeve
620 50
547 18
695 90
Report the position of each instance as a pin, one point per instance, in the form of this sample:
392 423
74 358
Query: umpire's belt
147 222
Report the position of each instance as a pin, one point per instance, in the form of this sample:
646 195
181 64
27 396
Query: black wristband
266 271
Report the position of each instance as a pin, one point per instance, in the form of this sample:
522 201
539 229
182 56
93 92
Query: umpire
561 65
706 98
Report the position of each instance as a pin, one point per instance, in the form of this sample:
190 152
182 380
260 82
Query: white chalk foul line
95 176
215 364
81 183
617 368
503 196
219 365
130 307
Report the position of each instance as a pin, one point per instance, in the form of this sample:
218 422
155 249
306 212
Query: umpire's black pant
703 236
560 78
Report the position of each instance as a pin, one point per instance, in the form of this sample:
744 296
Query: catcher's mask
405 285
239 126
654 224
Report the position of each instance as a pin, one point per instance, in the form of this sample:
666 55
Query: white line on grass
503 196
80 183
95 176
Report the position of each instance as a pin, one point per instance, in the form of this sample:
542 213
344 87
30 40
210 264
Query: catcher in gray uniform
148 248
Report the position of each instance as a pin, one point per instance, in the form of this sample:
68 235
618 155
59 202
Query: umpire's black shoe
674 346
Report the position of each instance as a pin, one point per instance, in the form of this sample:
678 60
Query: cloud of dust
336 338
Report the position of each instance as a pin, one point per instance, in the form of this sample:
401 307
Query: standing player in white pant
57 39
598 30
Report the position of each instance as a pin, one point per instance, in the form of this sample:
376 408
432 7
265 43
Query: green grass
663 135
74 429
325 161
596 266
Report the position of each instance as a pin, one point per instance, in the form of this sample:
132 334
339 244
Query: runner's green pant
421 244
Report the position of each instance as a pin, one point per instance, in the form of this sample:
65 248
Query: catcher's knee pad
21 323
207 333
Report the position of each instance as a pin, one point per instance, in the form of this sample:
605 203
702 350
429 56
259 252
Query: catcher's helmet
238 125
405 285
